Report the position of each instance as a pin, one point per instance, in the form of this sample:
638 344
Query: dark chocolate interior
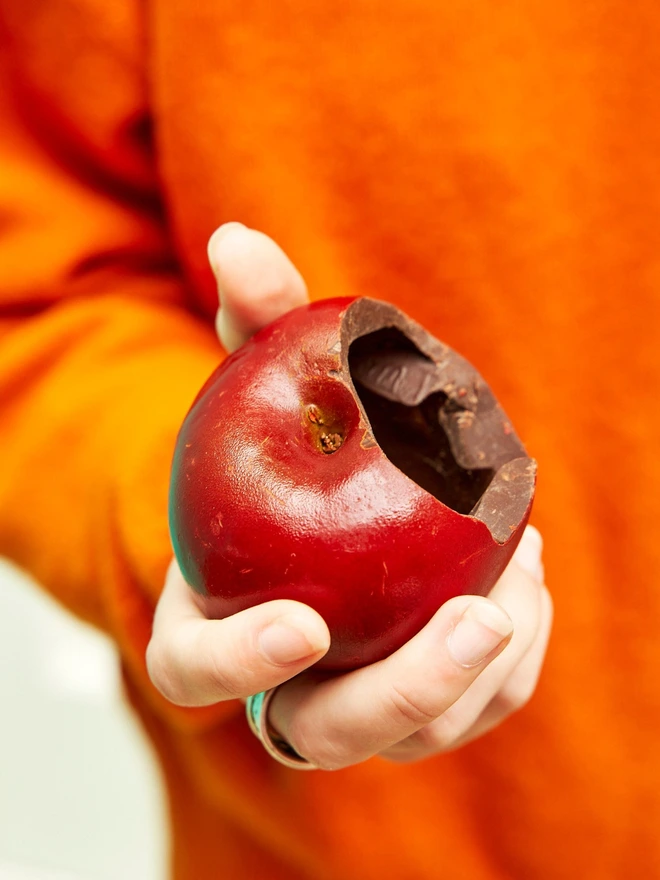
387 370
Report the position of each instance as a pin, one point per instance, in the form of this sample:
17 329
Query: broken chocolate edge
507 500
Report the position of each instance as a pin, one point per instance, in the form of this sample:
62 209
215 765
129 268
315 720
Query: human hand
474 663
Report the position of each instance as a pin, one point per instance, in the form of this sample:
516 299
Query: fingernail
481 628
528 553
289 639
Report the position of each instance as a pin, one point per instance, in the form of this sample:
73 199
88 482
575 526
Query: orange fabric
492 169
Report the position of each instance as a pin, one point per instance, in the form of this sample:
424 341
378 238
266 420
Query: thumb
256 280
194 661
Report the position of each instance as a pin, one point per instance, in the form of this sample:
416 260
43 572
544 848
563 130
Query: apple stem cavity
327 438
331 442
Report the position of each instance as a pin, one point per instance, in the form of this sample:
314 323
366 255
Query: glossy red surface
258 510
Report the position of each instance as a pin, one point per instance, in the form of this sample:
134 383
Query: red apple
345 458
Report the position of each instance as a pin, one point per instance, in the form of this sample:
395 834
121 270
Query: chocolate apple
345 458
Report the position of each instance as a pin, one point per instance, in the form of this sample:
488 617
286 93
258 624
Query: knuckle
163 675
324 751
515 695
439 735
409 708
186 671
433 739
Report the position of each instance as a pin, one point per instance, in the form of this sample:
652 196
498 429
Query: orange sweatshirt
494 170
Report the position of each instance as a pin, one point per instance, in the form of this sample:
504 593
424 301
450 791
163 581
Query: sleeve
100 351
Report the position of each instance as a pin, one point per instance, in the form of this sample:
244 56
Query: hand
476 661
